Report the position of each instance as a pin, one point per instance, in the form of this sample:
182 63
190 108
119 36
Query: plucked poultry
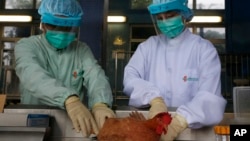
134 128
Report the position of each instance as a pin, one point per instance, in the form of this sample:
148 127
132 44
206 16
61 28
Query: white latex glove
177 125
80 116
157 106
101 112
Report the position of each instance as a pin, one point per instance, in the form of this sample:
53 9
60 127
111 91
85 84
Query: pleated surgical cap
61 12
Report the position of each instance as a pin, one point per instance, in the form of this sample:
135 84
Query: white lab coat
184 71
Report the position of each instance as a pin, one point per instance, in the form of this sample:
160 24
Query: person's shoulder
30 43
205 42
151 41
82 44
199 39
150 45
153 38
29 39
201 44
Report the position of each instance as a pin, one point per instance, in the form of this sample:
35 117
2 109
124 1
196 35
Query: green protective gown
48 76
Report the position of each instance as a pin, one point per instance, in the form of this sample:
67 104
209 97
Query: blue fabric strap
61 21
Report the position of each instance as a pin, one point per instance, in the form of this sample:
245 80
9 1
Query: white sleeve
208 105
139 90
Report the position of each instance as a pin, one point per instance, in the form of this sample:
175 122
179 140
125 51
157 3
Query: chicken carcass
134 129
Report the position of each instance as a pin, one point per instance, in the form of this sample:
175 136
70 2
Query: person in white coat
176 68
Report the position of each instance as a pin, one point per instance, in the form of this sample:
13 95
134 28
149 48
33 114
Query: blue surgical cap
159 6
61 12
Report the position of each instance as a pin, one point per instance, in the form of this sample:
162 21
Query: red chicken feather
134 129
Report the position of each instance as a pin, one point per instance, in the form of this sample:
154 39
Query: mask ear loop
41 27
185 22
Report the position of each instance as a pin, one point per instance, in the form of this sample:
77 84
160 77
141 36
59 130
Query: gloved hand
80 116
177 125
157 106
101 112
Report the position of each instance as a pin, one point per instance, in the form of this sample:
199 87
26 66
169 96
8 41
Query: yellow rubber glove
80 116
157 106
177 125
101 112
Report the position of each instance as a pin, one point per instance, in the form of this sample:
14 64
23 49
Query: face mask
171 27
58 39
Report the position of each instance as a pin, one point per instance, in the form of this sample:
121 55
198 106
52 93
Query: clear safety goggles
60 28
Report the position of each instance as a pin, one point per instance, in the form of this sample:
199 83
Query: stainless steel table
62 129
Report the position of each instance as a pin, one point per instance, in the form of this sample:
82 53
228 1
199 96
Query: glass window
9 31
210 4
8 45
38 2
142 32
13 31
11 83
190 4
140 4
37 31
221 48
18 4
211 33
8 58
8 53
134 46
200 4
